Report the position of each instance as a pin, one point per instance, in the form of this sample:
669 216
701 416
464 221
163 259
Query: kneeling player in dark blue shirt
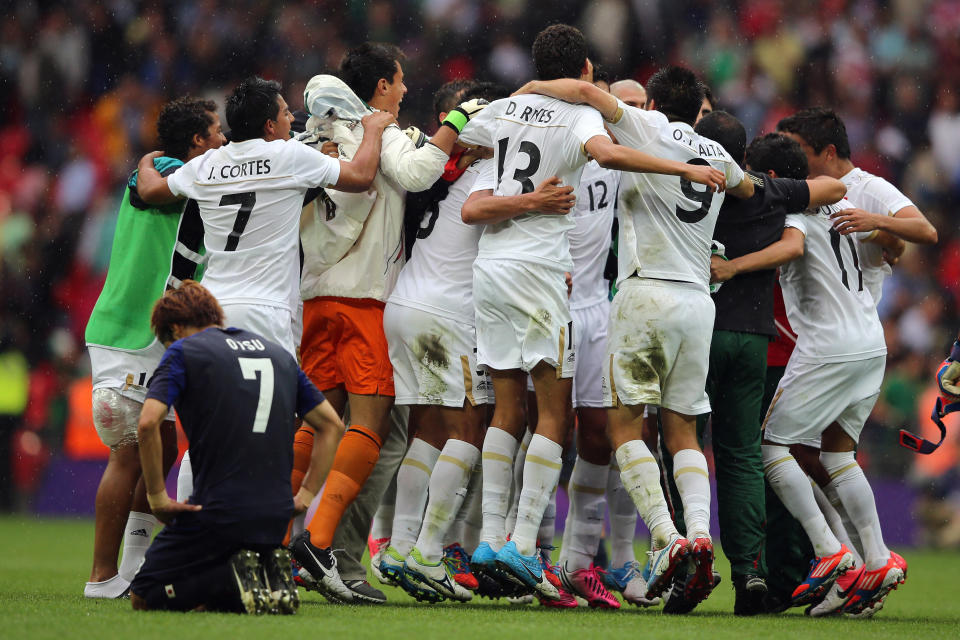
236 395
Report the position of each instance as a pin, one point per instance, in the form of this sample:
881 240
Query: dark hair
778 153
362 67
677 94
818 127
448 96
189 306
559 51
600 74
488 91
724 128
251 104
709 97
180 120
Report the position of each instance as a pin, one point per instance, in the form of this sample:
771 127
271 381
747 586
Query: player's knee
115 418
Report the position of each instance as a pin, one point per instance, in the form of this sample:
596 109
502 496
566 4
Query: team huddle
449 301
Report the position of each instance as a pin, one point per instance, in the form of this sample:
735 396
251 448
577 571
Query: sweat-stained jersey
666 222
250 195
534 138
590 238
828 305
438 278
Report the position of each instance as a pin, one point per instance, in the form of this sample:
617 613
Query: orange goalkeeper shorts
344 345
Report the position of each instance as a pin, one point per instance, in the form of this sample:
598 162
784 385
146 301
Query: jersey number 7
246 200
264 366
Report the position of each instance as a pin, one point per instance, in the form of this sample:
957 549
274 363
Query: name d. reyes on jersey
529 114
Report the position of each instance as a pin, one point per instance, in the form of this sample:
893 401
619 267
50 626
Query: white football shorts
434 359
125 373
522 316
658 351
812 396
273 323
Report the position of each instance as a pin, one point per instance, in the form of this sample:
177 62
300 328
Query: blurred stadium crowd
81 84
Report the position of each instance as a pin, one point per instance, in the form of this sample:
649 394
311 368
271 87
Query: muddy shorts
523 316
658 351
434 359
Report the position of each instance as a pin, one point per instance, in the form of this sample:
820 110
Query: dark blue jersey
236 395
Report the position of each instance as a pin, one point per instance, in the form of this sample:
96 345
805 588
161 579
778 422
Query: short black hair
600 74
180 120
488 91
818 127
676 93
724 128
363 66
251 104
448 95
559 51
709 97
778 153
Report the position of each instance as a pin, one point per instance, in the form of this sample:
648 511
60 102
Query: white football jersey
534 138
250 195
874 195
590 238
828 305
666 222
438 278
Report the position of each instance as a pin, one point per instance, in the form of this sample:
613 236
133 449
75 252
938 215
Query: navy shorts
193 544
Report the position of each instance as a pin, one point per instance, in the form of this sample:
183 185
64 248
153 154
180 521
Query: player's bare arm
743 190
328 429
151 186
163 506
551 197
893 246
615 156
908 223
788 247
577 92
825 190
357 175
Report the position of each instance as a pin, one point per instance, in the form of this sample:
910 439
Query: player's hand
891 255
330 148
378 120
850 221
568 278
552 197
949 381
701 174
167 509
721 270
418 137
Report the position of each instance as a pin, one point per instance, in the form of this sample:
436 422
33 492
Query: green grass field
45 563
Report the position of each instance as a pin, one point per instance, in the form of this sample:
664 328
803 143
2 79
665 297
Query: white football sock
517 486
641 478
382 526
623 519
465 530
185 479
548 524
693 483
499 448
831 506
857 498
584 526
413 478
448 488
791 485
136 538
112 588
541 472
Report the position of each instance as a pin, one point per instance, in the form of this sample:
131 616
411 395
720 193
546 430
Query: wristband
158 497
456 119
306 492
954 352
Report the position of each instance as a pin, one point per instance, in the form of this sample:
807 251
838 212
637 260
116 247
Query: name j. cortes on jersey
244 169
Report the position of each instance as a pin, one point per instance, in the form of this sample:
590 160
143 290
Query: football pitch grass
46 561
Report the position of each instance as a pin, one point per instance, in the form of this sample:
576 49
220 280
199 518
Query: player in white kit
662 315
250 194
523 320
828 389
888 215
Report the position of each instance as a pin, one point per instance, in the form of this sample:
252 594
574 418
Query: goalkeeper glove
459 116
948 377
418 137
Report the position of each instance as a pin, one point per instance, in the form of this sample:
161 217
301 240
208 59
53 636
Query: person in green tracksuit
743 327
154 248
